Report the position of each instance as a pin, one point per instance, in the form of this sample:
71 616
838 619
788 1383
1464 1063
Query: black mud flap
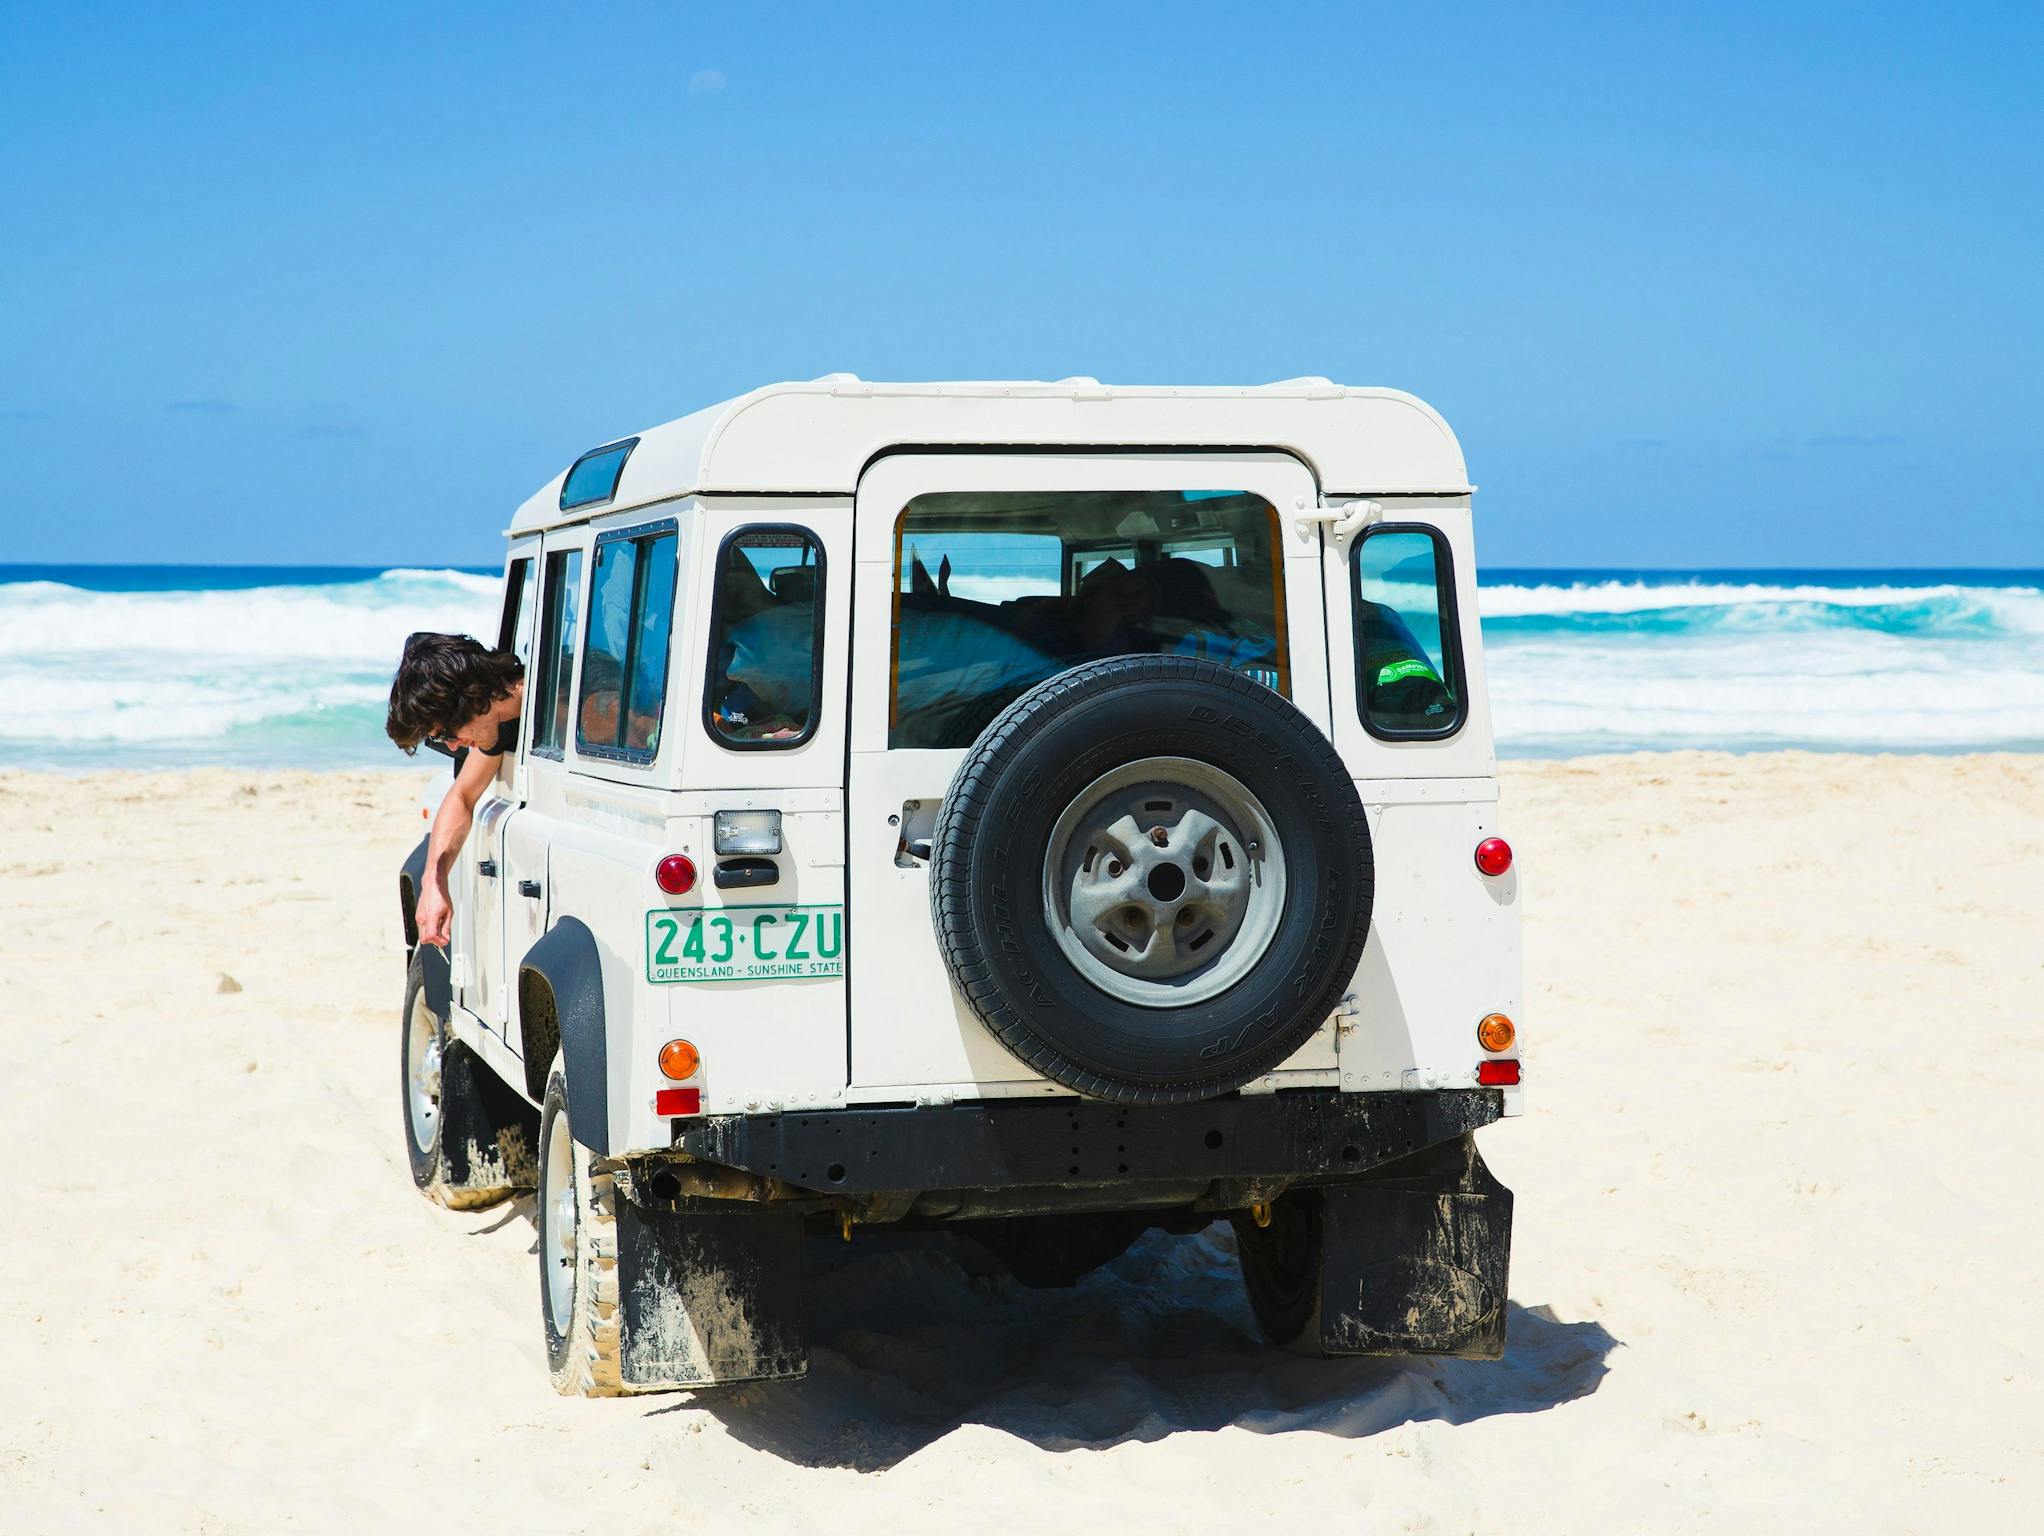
1416 1261
489 1135
707 1300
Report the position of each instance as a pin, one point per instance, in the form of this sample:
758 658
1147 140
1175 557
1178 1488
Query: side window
594 476
766 639
557 626
512 633
624 667
1408 650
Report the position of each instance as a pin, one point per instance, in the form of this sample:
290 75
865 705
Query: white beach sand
1775 1263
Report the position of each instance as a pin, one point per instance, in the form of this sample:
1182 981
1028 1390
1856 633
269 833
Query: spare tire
1151 879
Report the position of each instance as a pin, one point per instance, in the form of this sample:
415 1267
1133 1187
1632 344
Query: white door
541 770
485 995
993 571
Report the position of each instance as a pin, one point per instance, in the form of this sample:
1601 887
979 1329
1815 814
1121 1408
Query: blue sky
345 284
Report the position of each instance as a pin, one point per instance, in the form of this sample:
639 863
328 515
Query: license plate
762 943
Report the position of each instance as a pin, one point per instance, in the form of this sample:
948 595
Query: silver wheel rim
1164 881
422 1073
557 1199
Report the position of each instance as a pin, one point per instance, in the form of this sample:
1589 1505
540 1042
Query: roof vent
1316 387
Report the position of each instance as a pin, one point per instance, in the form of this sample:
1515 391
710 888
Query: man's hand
434 915
450 831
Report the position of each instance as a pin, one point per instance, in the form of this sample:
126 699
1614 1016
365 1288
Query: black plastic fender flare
566 964
410 876
439 980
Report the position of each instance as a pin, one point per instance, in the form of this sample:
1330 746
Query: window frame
517 581
784 743
541 654
1451 633
627 444
1272 526
639 756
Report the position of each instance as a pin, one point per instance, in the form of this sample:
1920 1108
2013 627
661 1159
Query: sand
1774 1267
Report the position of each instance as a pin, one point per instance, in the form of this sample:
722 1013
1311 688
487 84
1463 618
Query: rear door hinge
1346 1016
1340 518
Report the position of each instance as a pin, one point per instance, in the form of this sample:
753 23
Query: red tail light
1497 1074
676 874
1493 855
682 1101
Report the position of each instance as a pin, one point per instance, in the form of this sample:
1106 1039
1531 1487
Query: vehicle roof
818 437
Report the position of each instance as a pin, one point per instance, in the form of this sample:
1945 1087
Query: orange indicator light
1495 1033
679 1060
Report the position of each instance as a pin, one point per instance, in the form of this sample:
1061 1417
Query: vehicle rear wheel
1281 1269
1151 879
578 1291
467 1136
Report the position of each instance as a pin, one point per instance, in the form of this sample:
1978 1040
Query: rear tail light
1496 1074
678 1101
676 874
1493 855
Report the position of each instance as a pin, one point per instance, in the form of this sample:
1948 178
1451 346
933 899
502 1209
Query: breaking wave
260 674
194 666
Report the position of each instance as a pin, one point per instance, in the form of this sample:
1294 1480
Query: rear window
624 668
766 638
1408 653
994 592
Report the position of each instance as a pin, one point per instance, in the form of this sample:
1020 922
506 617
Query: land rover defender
1046 810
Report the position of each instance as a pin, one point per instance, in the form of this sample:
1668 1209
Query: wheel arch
410 876
439 980
560 1008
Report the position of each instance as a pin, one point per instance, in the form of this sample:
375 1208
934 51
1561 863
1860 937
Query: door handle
529 888
487 869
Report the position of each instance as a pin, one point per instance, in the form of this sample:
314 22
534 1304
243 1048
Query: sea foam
299 673
203 668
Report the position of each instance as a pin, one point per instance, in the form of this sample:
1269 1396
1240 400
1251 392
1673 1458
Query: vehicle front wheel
468 1138
578 1291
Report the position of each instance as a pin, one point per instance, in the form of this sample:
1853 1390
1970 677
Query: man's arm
450 830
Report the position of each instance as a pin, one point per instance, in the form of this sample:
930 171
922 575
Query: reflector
678 1101
1497 1074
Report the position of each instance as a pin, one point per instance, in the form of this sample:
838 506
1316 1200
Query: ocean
109 666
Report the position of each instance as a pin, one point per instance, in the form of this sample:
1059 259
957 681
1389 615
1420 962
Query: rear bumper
1308 1136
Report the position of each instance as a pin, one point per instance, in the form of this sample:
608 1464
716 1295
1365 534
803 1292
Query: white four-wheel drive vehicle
1053 810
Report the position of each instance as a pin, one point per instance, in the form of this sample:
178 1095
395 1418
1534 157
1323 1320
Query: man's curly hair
443 682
